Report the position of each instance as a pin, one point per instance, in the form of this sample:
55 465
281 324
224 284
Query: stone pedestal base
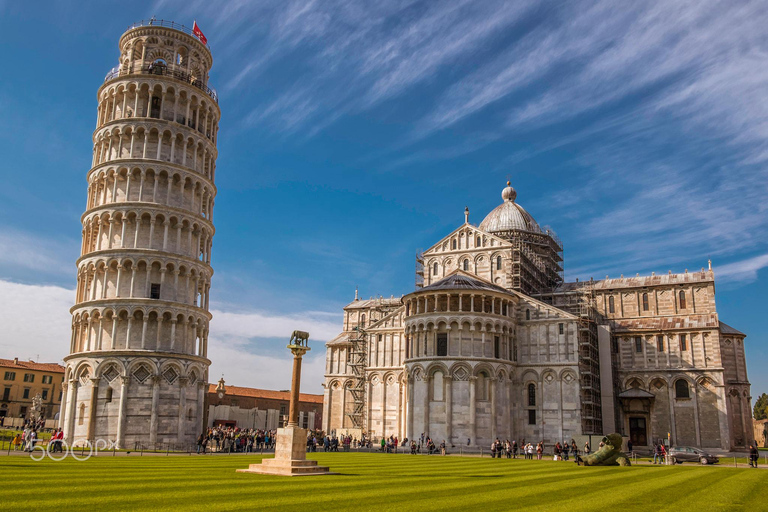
290 457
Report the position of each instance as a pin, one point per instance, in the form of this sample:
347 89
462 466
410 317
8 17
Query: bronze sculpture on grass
609 454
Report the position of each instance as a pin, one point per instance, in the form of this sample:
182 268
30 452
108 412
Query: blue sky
355 133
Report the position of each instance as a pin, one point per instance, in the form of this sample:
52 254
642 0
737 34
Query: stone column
343 404
492 391
293 414
72 402
153 416
428 385
201 385
472 409
409 412
696 420
508 415
448 407
400 404
63 406
383 407
121 412
92 409
182 429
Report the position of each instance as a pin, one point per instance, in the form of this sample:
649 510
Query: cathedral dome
509 216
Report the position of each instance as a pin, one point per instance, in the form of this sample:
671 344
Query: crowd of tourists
234 439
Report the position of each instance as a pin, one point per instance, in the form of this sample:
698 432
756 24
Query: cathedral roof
458 280
727 329
509 216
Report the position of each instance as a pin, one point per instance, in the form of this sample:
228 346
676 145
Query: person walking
539 451
566 448
656 453
514 449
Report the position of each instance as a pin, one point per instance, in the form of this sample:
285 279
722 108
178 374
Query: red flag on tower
199 33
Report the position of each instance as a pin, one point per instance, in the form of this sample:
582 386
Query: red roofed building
21 381
260 408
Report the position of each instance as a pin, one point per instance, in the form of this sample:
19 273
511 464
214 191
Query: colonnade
152 143
161 232
174 188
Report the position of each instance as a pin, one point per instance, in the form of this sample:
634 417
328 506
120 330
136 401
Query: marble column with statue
291 447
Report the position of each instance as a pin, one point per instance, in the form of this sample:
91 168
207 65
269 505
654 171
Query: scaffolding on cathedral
579 299
359 360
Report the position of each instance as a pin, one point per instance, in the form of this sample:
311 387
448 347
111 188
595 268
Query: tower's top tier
164 48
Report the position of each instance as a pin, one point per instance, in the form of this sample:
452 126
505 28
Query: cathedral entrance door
637 431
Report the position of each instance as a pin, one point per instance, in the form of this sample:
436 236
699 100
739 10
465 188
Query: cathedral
494 343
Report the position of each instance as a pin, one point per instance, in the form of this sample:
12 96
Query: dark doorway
637 432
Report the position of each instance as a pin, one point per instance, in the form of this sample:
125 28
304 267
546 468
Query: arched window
682 299
434 269
527 314
81 418
531 395
466 265
498 262
645 302
482 386
453 244
611 305
478 242
681 389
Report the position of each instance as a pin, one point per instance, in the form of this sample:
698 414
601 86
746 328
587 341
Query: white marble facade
471 354
137 365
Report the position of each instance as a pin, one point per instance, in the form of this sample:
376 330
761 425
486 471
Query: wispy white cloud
744 270
25 251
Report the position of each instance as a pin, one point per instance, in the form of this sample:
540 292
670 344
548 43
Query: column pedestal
290 457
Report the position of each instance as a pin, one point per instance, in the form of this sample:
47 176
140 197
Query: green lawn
372 482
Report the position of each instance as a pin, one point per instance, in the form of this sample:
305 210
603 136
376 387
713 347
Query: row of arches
457 301
174 188
159 100
112 368
142 229
139 328
138 52
143 278
154 143
468 239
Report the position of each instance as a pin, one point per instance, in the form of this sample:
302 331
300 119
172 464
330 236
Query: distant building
260 408
22 380
761 432
494 343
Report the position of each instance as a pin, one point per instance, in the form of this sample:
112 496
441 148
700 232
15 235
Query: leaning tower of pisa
137 367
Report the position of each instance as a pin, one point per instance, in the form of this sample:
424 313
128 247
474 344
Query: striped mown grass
371 482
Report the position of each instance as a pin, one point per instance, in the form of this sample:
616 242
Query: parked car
682 454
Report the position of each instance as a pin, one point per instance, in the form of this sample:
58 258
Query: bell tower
137 366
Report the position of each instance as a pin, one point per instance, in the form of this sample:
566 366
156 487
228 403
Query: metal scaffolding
358 363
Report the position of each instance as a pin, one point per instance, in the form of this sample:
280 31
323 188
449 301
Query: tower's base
290 457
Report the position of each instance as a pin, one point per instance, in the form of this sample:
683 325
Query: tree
761 407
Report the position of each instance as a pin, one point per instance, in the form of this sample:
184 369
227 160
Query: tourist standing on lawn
753 456
514 449
566 448
587 448
539 451
574 449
